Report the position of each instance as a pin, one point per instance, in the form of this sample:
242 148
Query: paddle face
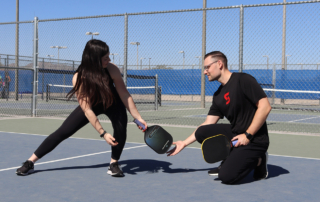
157 138
216 148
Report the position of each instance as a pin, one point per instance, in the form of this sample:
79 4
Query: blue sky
162 36
45 9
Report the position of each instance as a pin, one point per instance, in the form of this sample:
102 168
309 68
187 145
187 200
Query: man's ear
220 64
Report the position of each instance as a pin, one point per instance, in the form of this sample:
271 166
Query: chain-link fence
160 55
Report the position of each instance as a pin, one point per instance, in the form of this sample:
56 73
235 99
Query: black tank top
112 87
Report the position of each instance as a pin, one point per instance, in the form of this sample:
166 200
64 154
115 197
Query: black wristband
102 135
249 136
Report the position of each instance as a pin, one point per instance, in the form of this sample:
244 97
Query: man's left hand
242 140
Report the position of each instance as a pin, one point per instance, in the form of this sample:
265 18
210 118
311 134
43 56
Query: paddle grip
234 142
139 123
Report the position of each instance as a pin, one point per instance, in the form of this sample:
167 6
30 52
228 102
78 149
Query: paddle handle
234 142
139 123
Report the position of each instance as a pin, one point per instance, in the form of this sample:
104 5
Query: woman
100 89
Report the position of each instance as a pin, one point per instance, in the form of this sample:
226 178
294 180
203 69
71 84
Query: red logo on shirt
227 98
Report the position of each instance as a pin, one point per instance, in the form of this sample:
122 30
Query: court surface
77 169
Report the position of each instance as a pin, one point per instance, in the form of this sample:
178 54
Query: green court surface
285 144
284 118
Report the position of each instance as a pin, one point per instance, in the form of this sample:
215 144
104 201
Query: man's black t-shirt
237 100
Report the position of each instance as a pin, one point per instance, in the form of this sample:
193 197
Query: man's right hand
180 145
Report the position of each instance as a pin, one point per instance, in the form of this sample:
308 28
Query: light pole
59 47
50 56
301 65
287 61
141 62
199 61
136 43
113 54
267 60
92 33
149 63
183 57
193 66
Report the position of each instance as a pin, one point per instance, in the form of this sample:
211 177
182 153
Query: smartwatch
102 135
249 136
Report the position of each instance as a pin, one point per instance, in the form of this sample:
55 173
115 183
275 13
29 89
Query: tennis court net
147 95
285 99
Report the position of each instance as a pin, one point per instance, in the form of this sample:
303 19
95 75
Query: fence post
274 76
203 78
241 40
125 58
16 75
35 68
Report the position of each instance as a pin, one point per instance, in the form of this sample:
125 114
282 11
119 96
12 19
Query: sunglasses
208 66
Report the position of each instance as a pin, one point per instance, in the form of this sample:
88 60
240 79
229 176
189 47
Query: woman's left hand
110 139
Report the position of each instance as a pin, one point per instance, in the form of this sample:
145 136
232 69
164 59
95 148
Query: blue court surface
77 171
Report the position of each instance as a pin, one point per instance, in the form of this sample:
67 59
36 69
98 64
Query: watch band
102 135
249 136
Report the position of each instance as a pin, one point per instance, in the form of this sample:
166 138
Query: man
243 102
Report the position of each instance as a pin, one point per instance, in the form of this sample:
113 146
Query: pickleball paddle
156 138
216 148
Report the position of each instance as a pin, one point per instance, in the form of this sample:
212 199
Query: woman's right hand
110 139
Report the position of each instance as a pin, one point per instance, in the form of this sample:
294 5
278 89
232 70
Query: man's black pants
241 161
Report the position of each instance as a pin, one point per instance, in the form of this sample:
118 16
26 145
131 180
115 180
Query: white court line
304 119
10 118
80 138
75 157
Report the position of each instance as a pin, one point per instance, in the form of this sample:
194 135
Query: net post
42 79
156 93
159 95
47 93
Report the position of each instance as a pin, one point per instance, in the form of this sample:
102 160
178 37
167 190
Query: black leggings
76 120
241 161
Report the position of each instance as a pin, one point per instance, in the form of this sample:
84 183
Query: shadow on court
273 171
152 166
133 167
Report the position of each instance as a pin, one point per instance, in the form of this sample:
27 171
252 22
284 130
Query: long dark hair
92 81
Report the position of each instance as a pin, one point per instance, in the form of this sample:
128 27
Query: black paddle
216 148
156 138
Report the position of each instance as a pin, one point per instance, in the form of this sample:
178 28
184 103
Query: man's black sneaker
215 171
261 171
26 168
114 170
